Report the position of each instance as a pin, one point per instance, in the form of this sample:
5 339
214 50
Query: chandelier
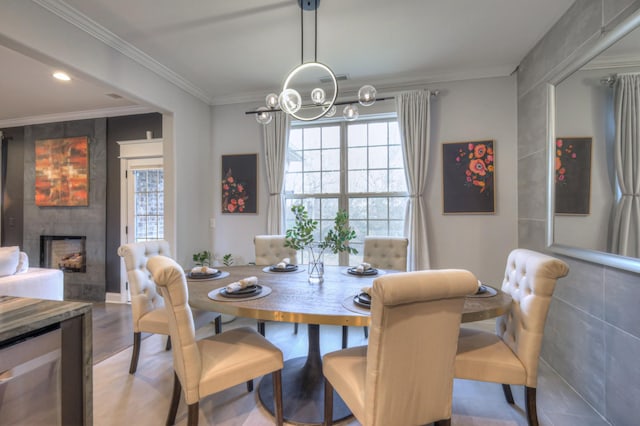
310 90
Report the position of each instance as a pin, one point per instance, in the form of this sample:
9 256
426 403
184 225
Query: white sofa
18 279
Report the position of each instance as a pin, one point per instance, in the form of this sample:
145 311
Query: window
356 166
148 185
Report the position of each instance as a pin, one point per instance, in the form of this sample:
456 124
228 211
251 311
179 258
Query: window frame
343 196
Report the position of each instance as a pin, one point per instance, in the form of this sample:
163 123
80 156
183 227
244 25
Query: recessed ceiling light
61 76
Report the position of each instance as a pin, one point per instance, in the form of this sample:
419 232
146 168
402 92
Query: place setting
283 266
206 273
364 270
484 291
360 303
246 288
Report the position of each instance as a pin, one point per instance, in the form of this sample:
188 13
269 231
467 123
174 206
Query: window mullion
343 201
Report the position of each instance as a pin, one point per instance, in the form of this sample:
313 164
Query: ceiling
234 51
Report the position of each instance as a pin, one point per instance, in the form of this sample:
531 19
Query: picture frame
573 175
62 172
468 177
239 183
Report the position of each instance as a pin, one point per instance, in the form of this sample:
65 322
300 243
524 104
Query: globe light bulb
331 112
367 95
350 112
264 117
318 96
290 101
272 100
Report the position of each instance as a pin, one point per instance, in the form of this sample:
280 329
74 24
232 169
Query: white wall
464 111
36 32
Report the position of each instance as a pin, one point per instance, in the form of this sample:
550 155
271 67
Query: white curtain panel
626 212
276 139
415 128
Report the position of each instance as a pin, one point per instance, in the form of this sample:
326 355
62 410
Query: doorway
142 197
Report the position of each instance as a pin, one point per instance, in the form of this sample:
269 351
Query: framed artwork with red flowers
468 170
239 183
573 175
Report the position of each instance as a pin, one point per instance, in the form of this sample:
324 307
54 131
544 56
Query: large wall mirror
594 155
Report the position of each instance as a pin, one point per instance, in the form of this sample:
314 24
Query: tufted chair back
408 376
386 252
144 296
186 356
270 250
530 278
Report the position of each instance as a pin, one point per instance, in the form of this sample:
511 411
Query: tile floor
143 399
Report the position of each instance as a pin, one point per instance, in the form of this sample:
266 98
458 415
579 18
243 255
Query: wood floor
143 399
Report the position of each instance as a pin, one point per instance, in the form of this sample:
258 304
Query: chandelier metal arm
337 103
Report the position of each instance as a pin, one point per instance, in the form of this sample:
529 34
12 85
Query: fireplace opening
65 252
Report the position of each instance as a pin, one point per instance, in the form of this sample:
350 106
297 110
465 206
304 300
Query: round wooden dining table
289 297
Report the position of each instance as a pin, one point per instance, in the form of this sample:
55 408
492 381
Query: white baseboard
114 298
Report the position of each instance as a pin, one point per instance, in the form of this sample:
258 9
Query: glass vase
316 263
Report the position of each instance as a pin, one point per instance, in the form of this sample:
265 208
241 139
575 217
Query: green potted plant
300 237
202 258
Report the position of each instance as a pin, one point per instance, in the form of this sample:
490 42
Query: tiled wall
82 221
592 338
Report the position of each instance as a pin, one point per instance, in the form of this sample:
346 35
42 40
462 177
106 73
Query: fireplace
65 252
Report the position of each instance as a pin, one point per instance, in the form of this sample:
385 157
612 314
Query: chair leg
250 385
217 323
136 353
530 401
277 397
295 328
444 422
192 416
175 400
328 403
366 332
345 336
261 329
507 393
168 345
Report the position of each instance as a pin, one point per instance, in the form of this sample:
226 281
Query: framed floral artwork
573 175
62 172
239 183
468 170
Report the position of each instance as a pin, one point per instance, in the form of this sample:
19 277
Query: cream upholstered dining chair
147 306
510 355
381 253
405 375
216 363
270 250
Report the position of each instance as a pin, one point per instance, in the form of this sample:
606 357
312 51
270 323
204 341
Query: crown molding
77 115
91 27
613 61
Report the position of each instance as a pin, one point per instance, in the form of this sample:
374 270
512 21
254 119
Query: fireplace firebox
65 252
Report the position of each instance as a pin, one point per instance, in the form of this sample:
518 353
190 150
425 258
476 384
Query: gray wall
13 182
592 338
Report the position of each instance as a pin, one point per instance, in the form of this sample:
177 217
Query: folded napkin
283 263
243 283
366 290
363 267
203 270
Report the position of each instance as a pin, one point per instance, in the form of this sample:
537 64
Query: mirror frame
574 63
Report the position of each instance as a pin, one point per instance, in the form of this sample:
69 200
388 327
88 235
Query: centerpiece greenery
300 236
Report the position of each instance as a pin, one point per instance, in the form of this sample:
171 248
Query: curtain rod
434 93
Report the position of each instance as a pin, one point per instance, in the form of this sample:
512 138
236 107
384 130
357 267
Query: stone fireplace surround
87 221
